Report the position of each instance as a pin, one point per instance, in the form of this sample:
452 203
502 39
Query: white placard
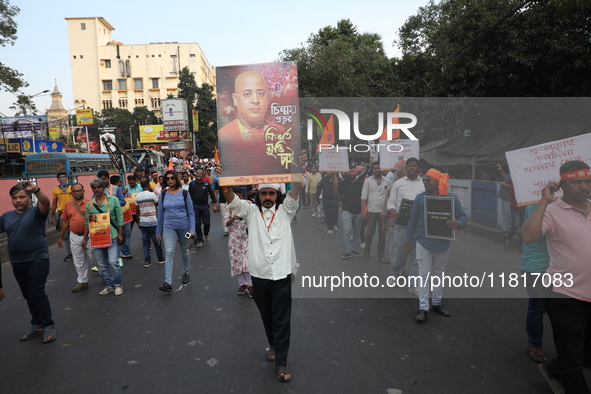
334 160
532 168
394 153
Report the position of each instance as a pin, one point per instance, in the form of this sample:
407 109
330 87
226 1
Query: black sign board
438 210
404 212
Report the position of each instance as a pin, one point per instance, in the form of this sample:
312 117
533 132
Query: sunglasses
170 178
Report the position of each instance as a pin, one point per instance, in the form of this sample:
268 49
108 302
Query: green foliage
340 62
207 138
10 80
123 119
68 143
22 106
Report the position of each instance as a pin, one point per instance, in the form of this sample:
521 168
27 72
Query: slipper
282 373
270 355
383 260
366 255
31 334
536 354
49 334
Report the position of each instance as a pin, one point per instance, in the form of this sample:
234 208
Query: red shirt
71 215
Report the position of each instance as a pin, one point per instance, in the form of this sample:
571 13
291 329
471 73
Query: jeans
351 228
124 249
571 328
59 223
170 238
331 211
31 278
149 234
431 264
534 322
107 260
201 216
373 220
399 255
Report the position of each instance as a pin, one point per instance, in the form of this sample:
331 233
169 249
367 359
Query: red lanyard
272 218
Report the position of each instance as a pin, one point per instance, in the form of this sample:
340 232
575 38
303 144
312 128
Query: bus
44 165
150 159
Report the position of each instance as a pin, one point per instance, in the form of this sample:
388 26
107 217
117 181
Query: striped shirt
146 204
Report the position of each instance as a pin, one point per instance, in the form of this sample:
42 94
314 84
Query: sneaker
422 316
555 385
507 245
330 232
226 233
106 290
439 309
314 214
241 290
335 228
69 257
200 244
120 262
346 256
165 287
127 256
80 287
186 279
362 245
249 290
161 262
147 264
207 238
355 254
94 269
118 290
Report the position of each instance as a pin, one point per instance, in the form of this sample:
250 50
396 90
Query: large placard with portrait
258 123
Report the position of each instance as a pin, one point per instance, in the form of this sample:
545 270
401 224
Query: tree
123 119
22 105
10 80
207 138
341 62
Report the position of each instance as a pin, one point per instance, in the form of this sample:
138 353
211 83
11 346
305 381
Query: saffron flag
396 133
328 134
216 155
170 165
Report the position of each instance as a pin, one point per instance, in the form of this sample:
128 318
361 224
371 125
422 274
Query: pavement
206 339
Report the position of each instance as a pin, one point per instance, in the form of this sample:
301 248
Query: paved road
204 338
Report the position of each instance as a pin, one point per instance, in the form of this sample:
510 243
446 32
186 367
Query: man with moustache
200 192
73 216
249 133
372 199
567 226
271 261
350 191
29 255
61 195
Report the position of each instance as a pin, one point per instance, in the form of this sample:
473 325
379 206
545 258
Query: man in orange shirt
73 216
61 195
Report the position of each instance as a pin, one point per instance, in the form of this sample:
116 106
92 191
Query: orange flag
216 155
328 134
396 133
170 165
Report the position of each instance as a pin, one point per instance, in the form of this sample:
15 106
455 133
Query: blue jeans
170 238
202 216
399 254
351 228
31 278
534 322
107 260
124 249
149 233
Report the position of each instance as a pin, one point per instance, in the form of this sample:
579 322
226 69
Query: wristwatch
37 191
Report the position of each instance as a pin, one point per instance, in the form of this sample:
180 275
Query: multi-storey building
109 74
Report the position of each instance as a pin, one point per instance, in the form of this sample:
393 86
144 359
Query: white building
109 74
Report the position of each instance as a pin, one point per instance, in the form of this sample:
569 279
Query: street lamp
31 116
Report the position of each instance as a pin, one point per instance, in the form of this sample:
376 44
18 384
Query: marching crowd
175 208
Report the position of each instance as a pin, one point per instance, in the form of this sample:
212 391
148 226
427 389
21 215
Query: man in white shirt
407 188
372 199
271 261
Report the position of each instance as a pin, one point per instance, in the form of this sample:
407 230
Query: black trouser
202 216
571 328
31 278
273 298
375 220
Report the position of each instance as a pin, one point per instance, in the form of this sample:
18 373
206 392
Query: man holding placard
432 251
403 194
567 227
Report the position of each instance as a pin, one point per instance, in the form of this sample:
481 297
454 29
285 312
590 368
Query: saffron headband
585 173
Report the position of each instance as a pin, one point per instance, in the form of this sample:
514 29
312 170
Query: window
122 84
81 56
191 55
138 83
107 104
155 84
83 26
155 102
107 63
122 103
74 56
108 85
139 102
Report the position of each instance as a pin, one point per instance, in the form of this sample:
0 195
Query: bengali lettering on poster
258 120
99 228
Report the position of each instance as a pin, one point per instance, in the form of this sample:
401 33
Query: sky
225 30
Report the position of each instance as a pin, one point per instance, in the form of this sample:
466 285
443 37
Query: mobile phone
554 189
188 235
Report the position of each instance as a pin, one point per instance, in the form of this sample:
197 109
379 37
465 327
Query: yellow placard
99 226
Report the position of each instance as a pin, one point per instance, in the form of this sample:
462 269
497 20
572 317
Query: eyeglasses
170 178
